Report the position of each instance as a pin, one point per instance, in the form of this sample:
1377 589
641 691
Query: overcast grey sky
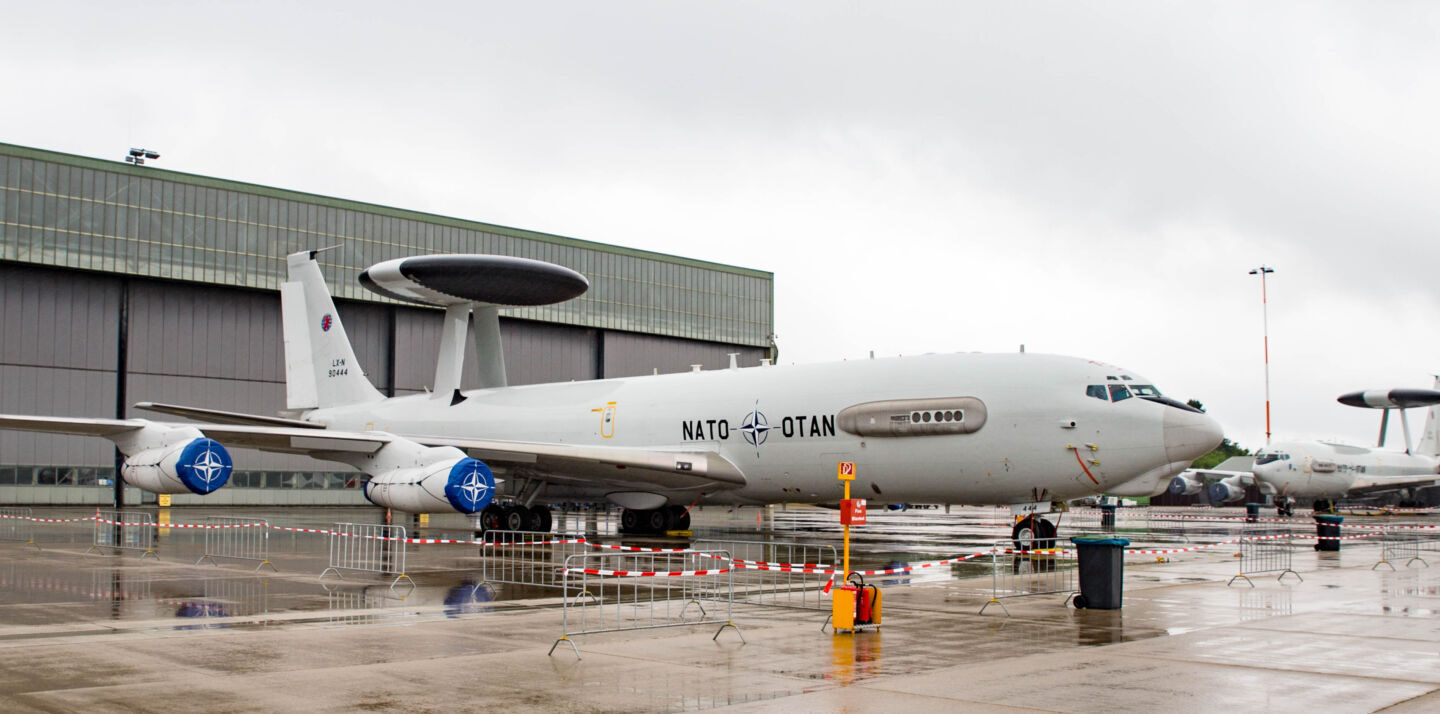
1092 179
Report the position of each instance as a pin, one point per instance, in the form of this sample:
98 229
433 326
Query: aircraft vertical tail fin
320 365
1430 436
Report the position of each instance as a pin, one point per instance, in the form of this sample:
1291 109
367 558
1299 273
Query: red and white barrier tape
645 573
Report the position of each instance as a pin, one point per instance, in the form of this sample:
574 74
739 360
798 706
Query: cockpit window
1118 392
1097 391
1145 390
1265 457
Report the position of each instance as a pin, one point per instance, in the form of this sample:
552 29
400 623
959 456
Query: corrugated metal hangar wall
76 314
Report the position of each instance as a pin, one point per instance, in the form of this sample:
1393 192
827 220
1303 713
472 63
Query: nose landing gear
1033 533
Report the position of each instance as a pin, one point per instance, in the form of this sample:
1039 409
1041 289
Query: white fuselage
779 426
1316 469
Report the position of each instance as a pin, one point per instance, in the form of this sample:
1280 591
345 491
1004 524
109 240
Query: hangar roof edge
26 152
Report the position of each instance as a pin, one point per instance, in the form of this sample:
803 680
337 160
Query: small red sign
852 512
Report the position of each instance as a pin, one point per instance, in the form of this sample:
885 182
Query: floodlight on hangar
138 156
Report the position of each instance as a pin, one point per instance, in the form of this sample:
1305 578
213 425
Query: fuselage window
1097 391
1118 392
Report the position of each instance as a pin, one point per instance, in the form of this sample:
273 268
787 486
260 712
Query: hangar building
122 283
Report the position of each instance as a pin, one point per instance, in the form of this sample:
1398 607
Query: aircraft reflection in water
1324 471
1023 430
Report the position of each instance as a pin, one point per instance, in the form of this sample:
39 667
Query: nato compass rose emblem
204 466
471 486
326 322
756 428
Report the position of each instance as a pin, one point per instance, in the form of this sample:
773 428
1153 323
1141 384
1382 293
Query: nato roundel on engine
471 485
204 466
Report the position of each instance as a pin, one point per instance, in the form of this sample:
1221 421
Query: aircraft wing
69 425
1373 486
621 467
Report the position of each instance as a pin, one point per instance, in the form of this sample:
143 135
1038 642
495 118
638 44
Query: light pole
1262 271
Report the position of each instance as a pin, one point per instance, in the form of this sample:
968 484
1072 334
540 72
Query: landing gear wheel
629 520
1323 505
490 517
515 518
1033 533
658 520
680 518
540 520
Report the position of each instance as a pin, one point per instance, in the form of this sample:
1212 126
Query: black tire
541 521
658 520
680 518
629 520
490 517
1081 603
515 518
1033 533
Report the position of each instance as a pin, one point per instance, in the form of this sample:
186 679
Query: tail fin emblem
325 323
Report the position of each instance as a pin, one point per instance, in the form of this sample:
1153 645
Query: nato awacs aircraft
1324 471
1024 430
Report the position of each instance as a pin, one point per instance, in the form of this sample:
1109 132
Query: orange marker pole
845 471
846 572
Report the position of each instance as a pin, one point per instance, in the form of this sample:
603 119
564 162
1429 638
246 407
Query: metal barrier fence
610 592
526 558
370 548
779 574
1396 544
238 538
16 525
1265 550
1040 572
127 530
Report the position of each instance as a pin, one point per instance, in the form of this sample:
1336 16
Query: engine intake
177 461
1183 486
462 485
1226 490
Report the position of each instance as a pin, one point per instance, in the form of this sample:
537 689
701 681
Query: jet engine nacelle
1227 490
453 483
1184 486
165 459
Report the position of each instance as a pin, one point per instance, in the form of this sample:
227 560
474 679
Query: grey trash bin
1102 572
1252 512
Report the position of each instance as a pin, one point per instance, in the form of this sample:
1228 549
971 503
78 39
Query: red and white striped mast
1262 271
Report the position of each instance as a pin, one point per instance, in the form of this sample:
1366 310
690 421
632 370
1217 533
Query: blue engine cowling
1225 491
1182 486
198 466
463 485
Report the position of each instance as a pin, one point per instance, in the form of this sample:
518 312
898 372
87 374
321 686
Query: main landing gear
1033 533
1284 507
495 517
658 520
1323 505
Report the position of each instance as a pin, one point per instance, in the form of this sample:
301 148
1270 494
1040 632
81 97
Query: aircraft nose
1190 435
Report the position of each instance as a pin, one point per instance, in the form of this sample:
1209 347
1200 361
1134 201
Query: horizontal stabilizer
219 416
